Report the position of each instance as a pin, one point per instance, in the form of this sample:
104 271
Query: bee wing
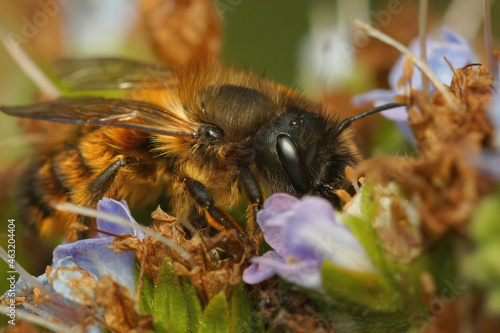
112 74
124 113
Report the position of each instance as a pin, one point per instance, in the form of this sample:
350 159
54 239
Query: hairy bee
204 135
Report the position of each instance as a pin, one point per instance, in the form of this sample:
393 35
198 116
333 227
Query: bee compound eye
211 132
293 163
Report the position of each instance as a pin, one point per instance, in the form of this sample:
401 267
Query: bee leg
256 200
218 218
97 189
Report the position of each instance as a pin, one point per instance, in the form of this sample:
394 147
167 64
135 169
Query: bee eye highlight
293 163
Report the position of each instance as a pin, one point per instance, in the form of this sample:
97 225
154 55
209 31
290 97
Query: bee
204 135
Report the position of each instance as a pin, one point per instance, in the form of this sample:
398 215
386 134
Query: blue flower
94 256
104 16
489 160
76 268
494 115
304 233
452 47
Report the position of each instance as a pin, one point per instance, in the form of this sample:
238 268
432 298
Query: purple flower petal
304 273
303 233
381 96
309 213
260 270
94 256
314 233
489 163
120 209
452 46
73 283
494 116
91 255
272 218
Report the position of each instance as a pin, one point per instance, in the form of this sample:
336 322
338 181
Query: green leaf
244 318
146 301
363 230
396 284
215 317
173 302
161 326
482 266
169 288
192 303
494 301
369 291
484 225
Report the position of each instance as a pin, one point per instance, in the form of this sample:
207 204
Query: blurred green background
261 35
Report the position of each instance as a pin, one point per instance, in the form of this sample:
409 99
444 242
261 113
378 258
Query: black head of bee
288 150
302 152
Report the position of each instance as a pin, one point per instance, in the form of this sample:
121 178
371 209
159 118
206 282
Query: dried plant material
397 224
121 310
209 274
183 30
213 275
350 175
405 100
17 300
81 288
126 243
291 310
441 179
455 312
78 227
428 286
407 72
343 196
361 26
38 297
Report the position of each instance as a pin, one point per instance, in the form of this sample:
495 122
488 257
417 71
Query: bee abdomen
39 187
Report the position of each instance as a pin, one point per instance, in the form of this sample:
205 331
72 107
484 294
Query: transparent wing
124 113
112 74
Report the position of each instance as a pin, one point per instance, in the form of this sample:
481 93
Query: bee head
305 153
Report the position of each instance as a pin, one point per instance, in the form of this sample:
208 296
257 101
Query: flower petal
73 283
314 233
94 256
303 273
382 96
452 47
119 209
260 270
273 217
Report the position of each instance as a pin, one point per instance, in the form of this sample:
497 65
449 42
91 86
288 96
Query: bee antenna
347 122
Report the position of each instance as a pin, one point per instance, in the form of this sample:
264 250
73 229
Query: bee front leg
217 217
255 197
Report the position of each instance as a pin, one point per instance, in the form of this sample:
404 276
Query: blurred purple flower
86 260
451 46
489 160
303 233
494 115
108 34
